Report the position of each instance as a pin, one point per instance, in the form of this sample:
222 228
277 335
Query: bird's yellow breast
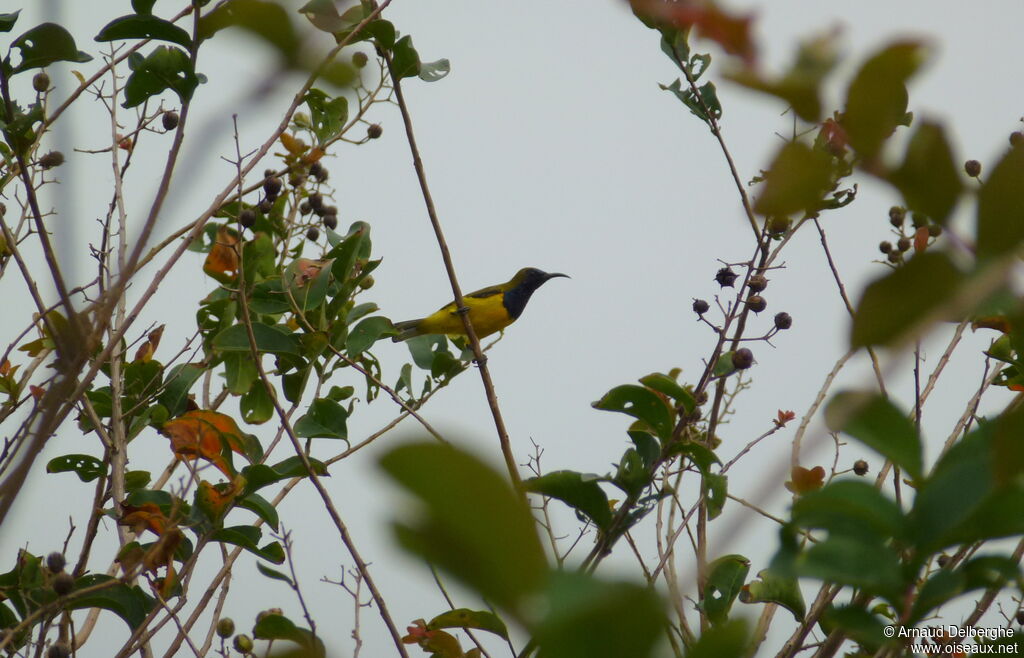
488 315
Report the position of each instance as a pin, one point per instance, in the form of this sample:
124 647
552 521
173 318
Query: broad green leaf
876 101
928 177
945 584
278 627
164 68
325 419
323 14
876 422
276 339
87 467
796 182
366 333
904 302
134 480
701 455
632 476
646 446
865 628
642 404
475 526
178 382
247 537
424 349
589 618
851 561
240 372
484 620
1001 206
714 487
273 574
256 405
405 61
728 640
307 294
258 476
266 20
129 603
7 21
670 387
774 588
434 71
144 26
706 98
580 492
725 580
43 45
327 114
850 508
381 30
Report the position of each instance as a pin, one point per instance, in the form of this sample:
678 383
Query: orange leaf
806 480
997 322
834 137
37 391
313 156
921 239
306 270
147 516
729 31
293 144
203 434
5 367
147 349
215 499
222 261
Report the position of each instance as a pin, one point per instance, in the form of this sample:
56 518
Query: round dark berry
1020 617
267 173
757 283
51 160
934 230
742 359
266 206
897 215
757 303
316 169
700 307
725 277
247 218
895 257
359 59
296 180
305 208
225 627
170 120
40 82
903 244
331 210
331 221
312 234
885 246
63 583
58 650
860 467
55 562
783 321
973 168
1016 138
374 131
918 220
272 186
316 201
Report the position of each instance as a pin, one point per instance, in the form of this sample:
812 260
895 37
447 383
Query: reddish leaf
147 516
37 391
784 417
921 239
203 434
834 137
306 270
730 31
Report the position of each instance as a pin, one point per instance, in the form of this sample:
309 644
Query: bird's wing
486 292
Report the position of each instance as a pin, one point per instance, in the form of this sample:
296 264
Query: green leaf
796 182
434 71
945 584
701 455
1001 207
258 476
876 422
475 526
276 339
325 419
646 446
852 561
366 333
865 628
129 603
43 45
775 588
164 68
240 372
7 21
642 404
261 507
424 349
670 387
135 480
257 406
178 382
578 491
144 26
266 20
589 618
87 467
903 303
728 640
725 580
707 98
327 114
381 30
850 508
273 574
928 177
247 537
714 487
484 620
306 294
405 61
876 101
279 627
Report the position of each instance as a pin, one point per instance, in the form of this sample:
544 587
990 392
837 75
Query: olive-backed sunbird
490 309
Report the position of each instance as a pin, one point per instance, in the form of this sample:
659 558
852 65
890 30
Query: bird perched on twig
490 309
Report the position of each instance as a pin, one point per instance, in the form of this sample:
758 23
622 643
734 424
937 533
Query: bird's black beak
552 275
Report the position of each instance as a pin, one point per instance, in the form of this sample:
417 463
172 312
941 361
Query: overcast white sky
549 145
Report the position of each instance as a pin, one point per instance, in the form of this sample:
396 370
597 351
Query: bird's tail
406 330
